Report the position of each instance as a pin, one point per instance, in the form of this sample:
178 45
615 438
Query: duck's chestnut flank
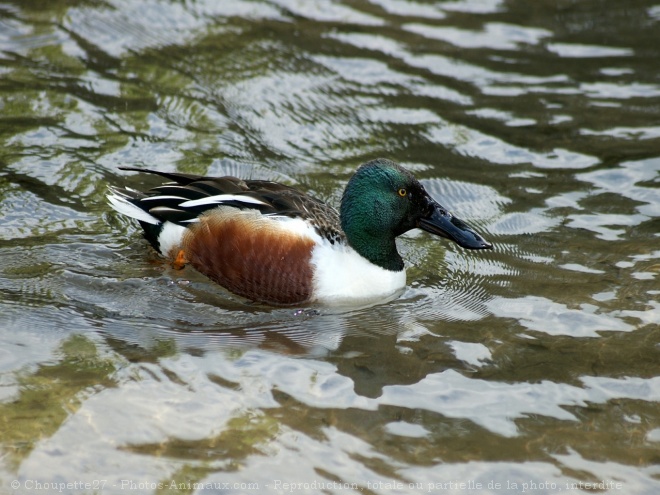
252 257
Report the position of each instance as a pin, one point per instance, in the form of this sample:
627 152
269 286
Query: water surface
534 367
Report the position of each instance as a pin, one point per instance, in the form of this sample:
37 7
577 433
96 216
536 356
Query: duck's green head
382 201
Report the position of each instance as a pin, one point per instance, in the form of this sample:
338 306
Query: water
533 368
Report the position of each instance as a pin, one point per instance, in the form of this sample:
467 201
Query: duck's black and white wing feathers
188 196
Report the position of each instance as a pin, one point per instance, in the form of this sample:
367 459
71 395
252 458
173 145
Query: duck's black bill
441 222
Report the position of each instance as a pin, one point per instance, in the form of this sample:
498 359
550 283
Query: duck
274 244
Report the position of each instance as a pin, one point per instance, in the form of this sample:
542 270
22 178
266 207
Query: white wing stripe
222 198
156 198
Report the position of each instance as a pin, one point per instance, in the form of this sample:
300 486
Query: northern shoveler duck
271 243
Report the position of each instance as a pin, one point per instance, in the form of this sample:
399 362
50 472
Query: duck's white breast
341 275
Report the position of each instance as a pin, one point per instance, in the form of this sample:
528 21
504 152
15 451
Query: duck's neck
369 237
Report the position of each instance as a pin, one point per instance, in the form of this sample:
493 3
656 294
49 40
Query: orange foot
180 260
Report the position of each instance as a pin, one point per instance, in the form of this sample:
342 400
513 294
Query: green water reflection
49 395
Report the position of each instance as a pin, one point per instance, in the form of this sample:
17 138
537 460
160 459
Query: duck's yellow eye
402 192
